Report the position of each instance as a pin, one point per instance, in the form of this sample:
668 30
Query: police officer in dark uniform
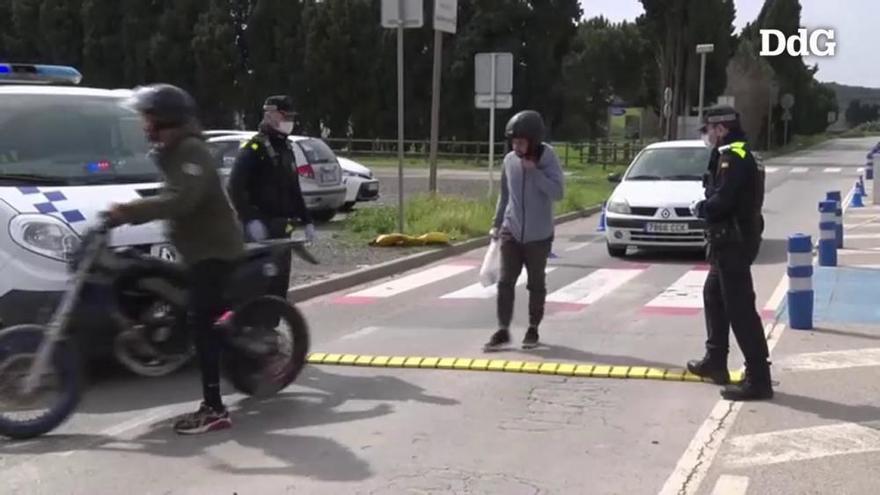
734 187
264 184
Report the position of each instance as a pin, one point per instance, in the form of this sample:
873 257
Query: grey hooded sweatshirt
525 207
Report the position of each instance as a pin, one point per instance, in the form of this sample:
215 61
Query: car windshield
670 164
71 139
316 151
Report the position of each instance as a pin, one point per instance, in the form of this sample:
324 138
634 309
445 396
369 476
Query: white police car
650 207
66 153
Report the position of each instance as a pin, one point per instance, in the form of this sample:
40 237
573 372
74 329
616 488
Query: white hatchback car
650 207
360 185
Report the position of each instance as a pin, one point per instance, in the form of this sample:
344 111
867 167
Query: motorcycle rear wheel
266 375
18 348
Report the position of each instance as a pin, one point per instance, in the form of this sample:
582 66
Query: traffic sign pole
492 130
400 117
435 110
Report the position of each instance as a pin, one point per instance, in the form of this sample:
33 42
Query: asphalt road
401 431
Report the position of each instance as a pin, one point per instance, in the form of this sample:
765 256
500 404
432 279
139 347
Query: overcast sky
857 30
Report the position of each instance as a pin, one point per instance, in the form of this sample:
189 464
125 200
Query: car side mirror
614 178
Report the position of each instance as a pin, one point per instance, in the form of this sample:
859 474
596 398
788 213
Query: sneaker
499 339
202 421
530 341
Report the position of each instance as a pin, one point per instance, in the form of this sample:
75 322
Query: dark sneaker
756 385
499 340
715 369
202 421
530 341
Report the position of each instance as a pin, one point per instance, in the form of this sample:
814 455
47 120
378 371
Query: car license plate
372 187
666 228
164 252
327 176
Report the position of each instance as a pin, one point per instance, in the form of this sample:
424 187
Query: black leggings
207 284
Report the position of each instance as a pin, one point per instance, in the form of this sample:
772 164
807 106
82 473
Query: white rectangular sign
413 13
503 73
501 101
445 15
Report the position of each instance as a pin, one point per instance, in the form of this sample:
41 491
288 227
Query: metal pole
492 131
785 137
435 110
400 121
770 118
702 85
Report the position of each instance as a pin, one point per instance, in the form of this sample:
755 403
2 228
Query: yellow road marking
510 366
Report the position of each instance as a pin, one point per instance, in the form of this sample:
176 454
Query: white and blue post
800 282
827 234
838 215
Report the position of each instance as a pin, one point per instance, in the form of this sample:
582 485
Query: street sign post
787 102
667 111
703 50
493 88
401 14
445 20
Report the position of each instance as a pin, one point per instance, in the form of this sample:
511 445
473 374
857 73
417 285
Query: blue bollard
860 186
601 227
827 235
856 201
838 215
800 282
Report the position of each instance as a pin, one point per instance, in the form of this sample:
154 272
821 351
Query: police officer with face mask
264 184
734 187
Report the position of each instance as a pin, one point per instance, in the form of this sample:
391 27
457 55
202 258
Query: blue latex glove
311 235
256 230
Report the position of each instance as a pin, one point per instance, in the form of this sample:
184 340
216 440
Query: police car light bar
38 74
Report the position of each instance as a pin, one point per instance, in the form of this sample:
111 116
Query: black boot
712 366
756 385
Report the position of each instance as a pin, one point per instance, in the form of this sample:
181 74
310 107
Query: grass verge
464 218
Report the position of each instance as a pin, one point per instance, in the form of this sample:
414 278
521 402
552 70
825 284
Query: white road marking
778 295
594 286
477 291
800 170
731 485
684 293
363 332
803 444
410 282
771 170
861 236
693 465
853 252
831 360
577 247
833 170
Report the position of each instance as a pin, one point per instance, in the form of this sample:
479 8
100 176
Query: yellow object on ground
403 240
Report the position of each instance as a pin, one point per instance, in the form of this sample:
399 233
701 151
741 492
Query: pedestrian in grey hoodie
531 181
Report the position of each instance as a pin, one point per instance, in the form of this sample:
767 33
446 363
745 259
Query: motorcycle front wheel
59 387
267 344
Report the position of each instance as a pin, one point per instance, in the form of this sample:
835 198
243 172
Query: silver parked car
320 174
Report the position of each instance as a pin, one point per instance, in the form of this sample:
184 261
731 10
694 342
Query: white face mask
707 141
285 127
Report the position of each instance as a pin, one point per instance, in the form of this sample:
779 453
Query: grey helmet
528 125
169 105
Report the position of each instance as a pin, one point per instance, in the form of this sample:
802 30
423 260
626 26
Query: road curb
354 278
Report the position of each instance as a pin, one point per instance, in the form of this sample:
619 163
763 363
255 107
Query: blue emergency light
38 74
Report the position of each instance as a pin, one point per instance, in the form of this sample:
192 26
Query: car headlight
621 207
44 235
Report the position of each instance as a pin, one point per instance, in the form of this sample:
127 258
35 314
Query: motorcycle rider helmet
528 125
169 105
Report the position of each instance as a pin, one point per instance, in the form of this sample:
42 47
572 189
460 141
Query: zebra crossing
678 293
814 170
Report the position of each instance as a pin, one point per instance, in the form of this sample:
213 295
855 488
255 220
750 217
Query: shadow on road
266 425
827 409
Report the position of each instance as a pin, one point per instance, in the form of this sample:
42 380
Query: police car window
670 164
81 139
316 151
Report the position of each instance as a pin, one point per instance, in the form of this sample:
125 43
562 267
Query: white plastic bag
490 272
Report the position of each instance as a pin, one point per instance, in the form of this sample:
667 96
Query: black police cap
281 103
719 114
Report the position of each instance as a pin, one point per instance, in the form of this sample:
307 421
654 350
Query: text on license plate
666 228
328 176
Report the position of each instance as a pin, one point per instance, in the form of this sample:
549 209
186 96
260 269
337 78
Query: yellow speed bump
585 370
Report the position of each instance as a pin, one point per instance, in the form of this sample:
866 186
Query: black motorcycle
265 338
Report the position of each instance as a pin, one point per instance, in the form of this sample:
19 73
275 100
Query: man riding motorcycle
202 226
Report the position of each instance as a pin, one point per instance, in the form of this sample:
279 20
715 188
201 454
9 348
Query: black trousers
515 255
207 285
278 230
729 301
